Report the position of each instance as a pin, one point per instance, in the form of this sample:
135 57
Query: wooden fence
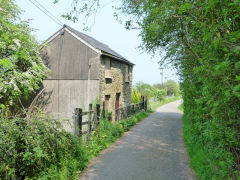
92 123
92 117
127 111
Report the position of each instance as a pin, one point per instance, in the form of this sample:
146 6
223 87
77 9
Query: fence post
97 118
89 121
103 110
117 114
142 102
90 107
146 103
78 119
132 109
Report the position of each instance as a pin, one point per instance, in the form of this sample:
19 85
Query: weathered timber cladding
68 59
65 95
51 54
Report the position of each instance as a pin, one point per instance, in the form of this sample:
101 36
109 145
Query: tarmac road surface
151 150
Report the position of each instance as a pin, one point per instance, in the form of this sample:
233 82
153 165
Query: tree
144 89
159 94
136 96
158 86
21 68
172 88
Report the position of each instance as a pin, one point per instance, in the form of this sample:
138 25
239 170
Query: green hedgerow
30 148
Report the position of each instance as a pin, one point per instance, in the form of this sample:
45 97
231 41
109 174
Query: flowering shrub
21 68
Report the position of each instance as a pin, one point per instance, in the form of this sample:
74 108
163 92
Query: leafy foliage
144 89
180 107
31 148
136 96
201 38
157 92
21 68
172 88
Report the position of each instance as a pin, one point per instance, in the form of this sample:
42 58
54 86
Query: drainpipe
88 84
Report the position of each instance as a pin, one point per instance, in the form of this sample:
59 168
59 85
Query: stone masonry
115 81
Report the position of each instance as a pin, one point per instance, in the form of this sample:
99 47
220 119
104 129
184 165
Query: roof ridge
86 35
98 45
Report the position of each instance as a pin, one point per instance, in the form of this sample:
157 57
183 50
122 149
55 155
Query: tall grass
180 107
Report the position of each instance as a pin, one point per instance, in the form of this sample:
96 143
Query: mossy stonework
115 80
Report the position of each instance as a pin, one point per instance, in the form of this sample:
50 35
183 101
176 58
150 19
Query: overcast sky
106 29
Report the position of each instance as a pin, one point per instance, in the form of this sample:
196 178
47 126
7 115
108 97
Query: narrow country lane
152 150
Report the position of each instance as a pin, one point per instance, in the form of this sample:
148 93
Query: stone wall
115 83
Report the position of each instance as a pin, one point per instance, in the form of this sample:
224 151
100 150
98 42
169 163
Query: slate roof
97 44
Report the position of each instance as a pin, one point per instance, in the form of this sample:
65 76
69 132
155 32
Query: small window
108 80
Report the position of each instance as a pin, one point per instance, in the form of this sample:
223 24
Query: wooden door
107 97
117 111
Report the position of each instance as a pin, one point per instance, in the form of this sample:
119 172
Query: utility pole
161 73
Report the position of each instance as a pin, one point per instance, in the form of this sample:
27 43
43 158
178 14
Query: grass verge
202 157
180 107
198 157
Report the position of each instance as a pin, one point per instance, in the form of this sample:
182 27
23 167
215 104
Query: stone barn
83 71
